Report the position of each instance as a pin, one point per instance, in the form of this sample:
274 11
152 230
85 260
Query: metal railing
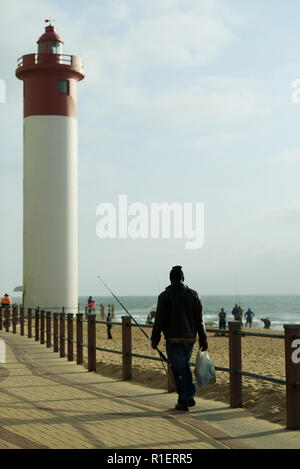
46 322
56 59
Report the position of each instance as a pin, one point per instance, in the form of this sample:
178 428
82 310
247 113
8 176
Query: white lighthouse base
50 241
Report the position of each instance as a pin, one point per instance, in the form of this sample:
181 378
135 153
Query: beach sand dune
260 355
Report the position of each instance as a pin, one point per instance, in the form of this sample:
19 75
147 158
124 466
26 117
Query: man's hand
203 347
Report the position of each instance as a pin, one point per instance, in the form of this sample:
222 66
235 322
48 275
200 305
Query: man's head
176 274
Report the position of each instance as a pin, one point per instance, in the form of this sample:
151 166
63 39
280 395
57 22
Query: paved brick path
48 402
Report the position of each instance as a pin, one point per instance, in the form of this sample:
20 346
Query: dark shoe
191 402
183 407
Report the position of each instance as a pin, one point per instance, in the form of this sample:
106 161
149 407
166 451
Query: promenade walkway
48 402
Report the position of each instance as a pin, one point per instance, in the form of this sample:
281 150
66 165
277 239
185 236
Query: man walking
179 317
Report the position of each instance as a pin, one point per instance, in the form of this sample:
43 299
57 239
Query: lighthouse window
55 47
50 48
63 86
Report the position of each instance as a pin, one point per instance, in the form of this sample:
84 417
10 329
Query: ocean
280 309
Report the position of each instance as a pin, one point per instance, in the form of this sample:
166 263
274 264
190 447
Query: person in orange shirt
6 301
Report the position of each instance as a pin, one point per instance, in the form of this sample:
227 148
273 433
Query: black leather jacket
179 315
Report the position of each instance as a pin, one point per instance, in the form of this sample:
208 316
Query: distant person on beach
266 322
179 317
91 305
235 312
222 320
151 317
109 325
6 301
249 315
240 315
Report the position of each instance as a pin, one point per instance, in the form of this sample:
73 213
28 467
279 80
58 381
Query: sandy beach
259 355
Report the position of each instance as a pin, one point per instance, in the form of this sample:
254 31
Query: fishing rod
162 356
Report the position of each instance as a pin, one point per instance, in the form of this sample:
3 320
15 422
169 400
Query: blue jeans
179 354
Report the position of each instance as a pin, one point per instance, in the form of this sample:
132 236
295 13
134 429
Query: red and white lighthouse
50 258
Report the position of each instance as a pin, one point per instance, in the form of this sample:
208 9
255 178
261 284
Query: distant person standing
91 305
109 325
6 301
235 312
222 320
151 317
249 315
240 315
266 322
179 317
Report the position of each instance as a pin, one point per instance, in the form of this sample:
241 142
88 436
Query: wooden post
235 364
21 320
55 332
42 327
86 312
91 342
70 337
7 319
79 339
37 320
1 317
126 348
292 371
14 319
62 348
48 328
29 323
171 380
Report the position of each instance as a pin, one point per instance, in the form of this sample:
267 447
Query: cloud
188 110
291 155
119 11
158 35
222 138
179 40
289 212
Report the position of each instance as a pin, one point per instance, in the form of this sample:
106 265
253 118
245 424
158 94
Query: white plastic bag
205 372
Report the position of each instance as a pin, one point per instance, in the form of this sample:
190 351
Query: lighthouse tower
50 258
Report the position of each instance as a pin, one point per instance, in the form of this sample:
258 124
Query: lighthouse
50 239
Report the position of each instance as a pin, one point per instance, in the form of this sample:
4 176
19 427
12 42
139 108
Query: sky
187 101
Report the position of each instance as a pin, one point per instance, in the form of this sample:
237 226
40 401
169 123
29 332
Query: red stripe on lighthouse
50 84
